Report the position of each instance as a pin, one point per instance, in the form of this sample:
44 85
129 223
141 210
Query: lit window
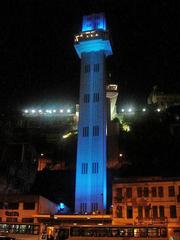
96 131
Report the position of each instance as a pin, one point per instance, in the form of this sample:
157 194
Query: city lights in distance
48 111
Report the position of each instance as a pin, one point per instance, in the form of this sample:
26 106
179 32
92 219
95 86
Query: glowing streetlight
122 110
26 111
144 109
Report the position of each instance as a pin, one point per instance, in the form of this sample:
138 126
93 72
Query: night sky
40 66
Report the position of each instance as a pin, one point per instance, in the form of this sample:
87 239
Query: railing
151 220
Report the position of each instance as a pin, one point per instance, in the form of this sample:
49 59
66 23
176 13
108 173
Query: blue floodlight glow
94 22
33 110
26 111
122 110
93 45
61 110
61 206
68 110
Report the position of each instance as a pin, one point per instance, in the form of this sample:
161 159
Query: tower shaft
90 192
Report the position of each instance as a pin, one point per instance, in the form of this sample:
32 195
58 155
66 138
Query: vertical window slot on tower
87 68
86 98
95 130
85 131
96 97
84 168
96 67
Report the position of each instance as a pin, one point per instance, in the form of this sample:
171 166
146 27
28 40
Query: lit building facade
92 46
18 215
147 201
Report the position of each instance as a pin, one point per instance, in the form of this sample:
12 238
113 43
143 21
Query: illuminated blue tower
92 46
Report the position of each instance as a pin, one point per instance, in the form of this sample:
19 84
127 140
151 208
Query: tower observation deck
92 46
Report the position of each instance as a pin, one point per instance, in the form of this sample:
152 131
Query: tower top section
94 22
94 36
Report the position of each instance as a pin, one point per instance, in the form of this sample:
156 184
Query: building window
83 207
129 212
160 192
29 205
119 211
147 212
27 220
139 192
94 167
146 192
13 205
84 168
85 131
171 191
96 67
128 192
96 97
86 98
161 211
95 130
140 212
119 195
8 219
173 213
155 211
94 207
154 192
87 68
